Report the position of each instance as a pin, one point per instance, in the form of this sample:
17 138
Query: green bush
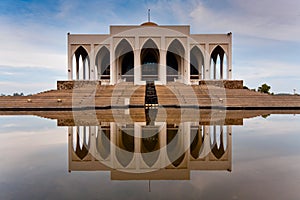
264 88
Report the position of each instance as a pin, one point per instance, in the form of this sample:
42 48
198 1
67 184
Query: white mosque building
137 53
168 154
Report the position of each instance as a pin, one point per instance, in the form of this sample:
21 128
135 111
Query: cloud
32 45
23 125
274 73
267 69
278 20
274 125
28 79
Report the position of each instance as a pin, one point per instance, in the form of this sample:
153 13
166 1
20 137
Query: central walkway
150 95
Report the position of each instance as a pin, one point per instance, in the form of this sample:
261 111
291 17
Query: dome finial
149 23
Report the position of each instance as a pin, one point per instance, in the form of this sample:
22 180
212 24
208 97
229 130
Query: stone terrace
171 95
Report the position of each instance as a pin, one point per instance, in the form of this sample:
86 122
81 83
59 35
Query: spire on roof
149 15
149 23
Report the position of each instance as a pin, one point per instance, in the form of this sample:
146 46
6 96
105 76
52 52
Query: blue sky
266 36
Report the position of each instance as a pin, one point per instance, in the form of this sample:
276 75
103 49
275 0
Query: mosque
129 153
149 52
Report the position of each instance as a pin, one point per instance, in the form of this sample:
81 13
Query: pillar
137 63
113 142
137 68
163 145
221 67
206 56
92 75
201 70
186 132
162 71
215 69
113 70
93 148
84 66
70 143
137 143
186 67
70 61
229 145
229 59
77 68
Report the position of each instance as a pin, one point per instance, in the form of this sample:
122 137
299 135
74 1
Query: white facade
149 52
122 148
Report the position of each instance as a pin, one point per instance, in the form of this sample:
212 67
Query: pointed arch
175 148
150 146
149 60
81 56
175 60
125 146
217 68
197 138
217 142
196 63
125 60
103 141
81 143
103 63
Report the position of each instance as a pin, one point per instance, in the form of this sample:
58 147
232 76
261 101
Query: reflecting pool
150 154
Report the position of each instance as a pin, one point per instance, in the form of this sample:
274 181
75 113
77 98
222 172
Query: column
137 143
84 66
186 132
137 62
77 68
92 148
113 144
229 146
229 60
163 145
162 71
215 69
92 63
206 143
137 68
186 67
113 67
70 148
206 73
70 61
221 67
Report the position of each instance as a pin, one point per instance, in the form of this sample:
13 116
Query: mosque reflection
150 150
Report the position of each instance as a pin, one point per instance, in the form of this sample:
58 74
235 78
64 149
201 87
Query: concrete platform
126 95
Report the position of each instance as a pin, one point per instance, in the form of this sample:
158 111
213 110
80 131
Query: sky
33 50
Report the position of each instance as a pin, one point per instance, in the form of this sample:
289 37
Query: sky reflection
265 165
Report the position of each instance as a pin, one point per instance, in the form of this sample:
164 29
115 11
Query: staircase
150 95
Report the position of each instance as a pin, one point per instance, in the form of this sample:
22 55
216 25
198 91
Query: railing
128 78
149 77
171 78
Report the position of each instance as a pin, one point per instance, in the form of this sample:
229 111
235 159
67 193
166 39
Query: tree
264 88
17 94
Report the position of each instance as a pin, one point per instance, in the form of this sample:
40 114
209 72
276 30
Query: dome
149 24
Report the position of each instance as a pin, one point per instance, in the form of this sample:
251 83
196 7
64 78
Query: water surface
263 156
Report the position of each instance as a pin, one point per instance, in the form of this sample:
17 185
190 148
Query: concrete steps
174 94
